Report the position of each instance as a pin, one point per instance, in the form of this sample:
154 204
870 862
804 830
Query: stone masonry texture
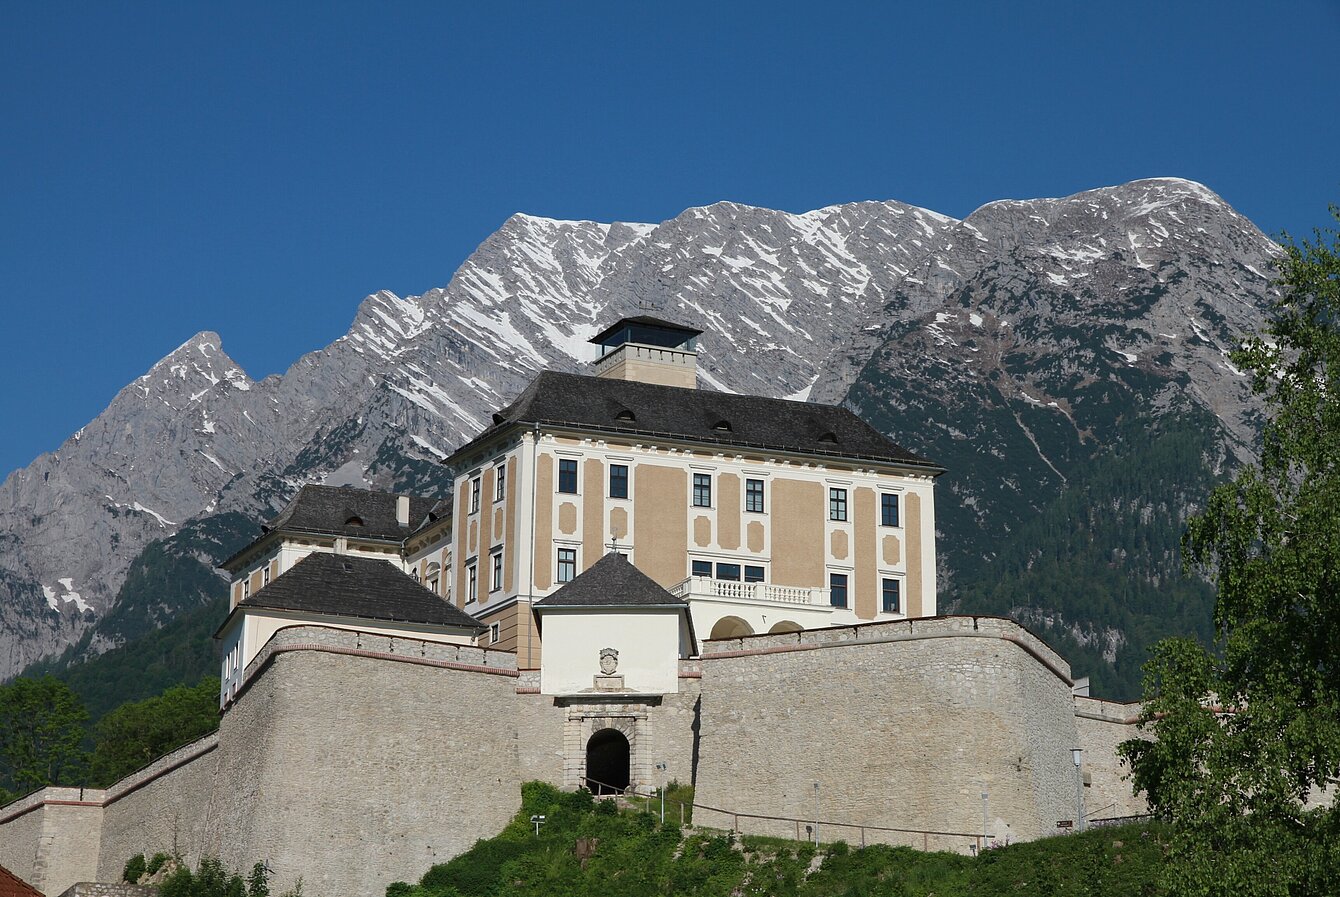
351 761
902 725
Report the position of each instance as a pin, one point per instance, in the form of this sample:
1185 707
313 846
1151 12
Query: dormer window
722 426
354 521
829 437
626 416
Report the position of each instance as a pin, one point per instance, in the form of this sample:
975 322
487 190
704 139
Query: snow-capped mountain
803 306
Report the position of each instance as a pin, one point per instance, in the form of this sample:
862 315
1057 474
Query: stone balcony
706 586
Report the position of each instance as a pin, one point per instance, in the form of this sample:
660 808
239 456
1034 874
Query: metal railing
804 829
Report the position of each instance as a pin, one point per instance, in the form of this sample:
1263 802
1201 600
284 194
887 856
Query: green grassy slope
586 848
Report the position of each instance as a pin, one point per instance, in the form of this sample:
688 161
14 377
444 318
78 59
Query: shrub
135 867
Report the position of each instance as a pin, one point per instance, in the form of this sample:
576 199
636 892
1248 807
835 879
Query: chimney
648 350
402 510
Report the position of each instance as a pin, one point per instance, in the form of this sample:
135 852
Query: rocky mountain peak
1046 305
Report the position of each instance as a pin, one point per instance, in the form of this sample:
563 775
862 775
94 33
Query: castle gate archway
608 762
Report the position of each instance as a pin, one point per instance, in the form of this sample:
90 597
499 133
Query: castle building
764 515
631 582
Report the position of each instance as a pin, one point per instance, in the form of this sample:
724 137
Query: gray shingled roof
331 509
652 410
349 586
612 582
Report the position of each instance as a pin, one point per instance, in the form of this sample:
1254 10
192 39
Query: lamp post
661 767
816 815
1076 754
984 817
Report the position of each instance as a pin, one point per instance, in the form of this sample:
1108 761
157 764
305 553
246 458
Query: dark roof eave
540 605
920 463
241 607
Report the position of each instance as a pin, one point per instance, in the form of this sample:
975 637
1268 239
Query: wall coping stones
948 626
161 767
1124 713
53 796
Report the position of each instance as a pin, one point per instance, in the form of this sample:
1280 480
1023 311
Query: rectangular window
837 504
753 574
618 481
893 599
837 589
728 571
702 490
753 496
567 475
567 564
265 575
246 588
500 492
495 585
888 509
474 495
432 585
702 568
471 582
494 633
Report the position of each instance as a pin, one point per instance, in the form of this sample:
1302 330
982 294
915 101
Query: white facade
650 642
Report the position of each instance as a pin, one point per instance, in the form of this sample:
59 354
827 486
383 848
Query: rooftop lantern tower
648 350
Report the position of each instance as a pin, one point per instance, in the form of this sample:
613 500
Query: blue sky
256 169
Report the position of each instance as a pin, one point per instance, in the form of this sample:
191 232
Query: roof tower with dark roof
612 582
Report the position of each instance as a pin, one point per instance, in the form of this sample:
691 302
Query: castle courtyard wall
903 725
1102 725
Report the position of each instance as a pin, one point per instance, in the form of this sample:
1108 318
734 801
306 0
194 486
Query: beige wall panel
593 511
838 544
274 568
702 531
867 572
755 536
255 582
893 551
527 638
728 512
510 536
497 525
567 518
543 550
797 533
618 523
661 521
914 572
460 530
474 537
486 502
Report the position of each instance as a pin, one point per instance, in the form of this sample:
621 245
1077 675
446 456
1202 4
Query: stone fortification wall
162 807
50 837
1102 725
902 725
105 889
352 761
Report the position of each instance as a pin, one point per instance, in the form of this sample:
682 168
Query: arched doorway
786 626
607 762
731 627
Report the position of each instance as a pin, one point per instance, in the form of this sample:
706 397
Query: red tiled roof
13 886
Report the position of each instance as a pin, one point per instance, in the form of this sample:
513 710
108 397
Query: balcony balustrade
763 592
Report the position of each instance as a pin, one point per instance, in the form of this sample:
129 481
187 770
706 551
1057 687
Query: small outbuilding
613 629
